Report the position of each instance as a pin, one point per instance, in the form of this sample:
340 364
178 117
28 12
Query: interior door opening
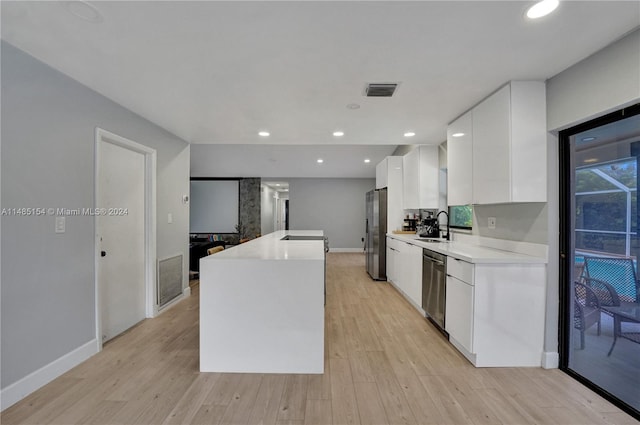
125 234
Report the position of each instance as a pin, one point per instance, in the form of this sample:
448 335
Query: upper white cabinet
420 175
459 161
382 170
389 175
510 145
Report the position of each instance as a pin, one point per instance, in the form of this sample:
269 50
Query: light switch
169 218
60 224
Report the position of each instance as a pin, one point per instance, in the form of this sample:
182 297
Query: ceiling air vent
380 89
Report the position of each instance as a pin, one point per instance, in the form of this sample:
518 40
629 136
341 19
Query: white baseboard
25 386
346 249
550 360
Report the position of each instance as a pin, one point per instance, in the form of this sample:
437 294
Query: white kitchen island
262 306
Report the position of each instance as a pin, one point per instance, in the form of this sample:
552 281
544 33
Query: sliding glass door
600 251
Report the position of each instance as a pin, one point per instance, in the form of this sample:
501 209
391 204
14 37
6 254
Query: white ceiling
275 161
215 72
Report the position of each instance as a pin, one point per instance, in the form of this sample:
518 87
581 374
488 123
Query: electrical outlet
492 222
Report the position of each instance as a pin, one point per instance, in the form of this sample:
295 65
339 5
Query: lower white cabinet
459 311
404 269
412 261
495 312
391 263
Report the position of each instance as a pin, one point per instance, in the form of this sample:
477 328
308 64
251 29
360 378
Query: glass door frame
565 322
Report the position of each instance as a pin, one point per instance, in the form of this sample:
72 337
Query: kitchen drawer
460 269
393 243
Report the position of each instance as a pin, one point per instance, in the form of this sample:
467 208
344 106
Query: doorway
275 206
600 299
125 234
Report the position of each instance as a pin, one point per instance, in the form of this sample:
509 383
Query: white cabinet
459 303
459 161
510 145
392 260
420 178
404 269
412 272
411 179
389 175
495 312
382 170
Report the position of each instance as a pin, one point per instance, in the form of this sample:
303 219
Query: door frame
150 159
566 248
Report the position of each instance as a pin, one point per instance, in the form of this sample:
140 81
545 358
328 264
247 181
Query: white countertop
271 247
471 253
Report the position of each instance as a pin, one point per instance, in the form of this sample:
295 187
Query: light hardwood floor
384 364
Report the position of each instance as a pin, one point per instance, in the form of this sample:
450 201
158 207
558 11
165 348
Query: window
461 216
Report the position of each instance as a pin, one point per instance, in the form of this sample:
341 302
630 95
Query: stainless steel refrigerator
375 245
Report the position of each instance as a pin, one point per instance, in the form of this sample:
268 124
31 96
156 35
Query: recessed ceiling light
84 11
457 135
264 133
353 106
320 160
588 139
277 184
338 133
367 160
542 8
590 160
409 134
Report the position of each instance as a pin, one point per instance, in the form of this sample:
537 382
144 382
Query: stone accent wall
250 206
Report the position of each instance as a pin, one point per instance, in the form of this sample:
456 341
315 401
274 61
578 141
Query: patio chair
614 282
578 272
586 310
618 273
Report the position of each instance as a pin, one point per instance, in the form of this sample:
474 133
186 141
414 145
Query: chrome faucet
447 236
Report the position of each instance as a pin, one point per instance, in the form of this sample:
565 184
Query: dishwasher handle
433 260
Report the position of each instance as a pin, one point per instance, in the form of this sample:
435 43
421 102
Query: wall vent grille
380 89
169 279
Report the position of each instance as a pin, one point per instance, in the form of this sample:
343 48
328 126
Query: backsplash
526 222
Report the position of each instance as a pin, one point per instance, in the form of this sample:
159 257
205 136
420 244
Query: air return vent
169 279
380 89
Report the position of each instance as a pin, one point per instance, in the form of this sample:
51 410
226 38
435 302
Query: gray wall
48 125
336 206
402 150
604 82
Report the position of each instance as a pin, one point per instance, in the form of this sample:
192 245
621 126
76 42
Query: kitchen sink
429 240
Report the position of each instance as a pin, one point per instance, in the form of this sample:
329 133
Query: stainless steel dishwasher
434 273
